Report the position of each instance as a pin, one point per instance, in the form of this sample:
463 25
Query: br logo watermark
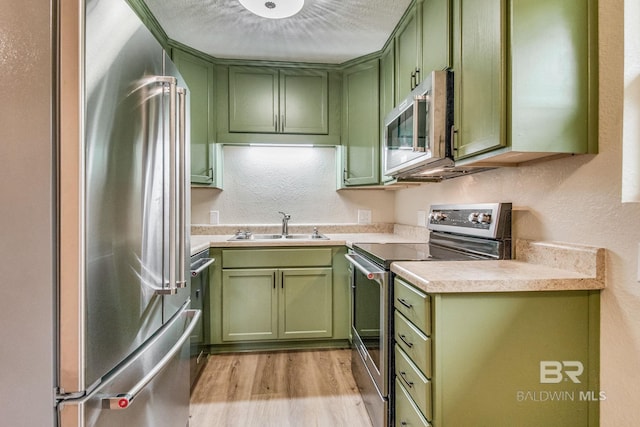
555 371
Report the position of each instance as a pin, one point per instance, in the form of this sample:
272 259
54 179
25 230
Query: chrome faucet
285 223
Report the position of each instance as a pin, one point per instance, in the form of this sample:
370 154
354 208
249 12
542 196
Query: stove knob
437 216
484 218
473 217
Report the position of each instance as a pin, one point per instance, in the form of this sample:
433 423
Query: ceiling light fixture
273 9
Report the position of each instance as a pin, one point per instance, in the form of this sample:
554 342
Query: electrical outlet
214 217
422 218
364 216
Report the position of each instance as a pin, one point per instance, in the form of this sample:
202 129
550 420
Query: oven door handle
370 273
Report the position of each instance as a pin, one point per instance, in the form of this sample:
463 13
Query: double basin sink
250 236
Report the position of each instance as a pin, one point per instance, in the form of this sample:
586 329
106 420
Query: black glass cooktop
384 254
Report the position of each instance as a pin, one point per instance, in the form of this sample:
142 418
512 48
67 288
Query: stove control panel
491 220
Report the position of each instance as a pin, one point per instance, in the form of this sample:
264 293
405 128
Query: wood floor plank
280 389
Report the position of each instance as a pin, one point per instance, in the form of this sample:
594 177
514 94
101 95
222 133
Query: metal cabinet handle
403 375
454 131
275 121
124 400
282 123
403 338
405 303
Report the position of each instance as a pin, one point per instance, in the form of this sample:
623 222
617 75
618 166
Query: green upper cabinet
436 35
199 75
525 79
387 94
304 102
267 100
360 127
553 76
407 47
479 37
253 100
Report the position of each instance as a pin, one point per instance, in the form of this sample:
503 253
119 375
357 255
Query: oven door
370 321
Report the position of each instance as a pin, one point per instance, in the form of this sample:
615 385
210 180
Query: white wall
27 271
577 199
631 143
259 181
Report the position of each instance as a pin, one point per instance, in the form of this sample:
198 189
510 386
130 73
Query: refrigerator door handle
169 286
124 400
173 188
182 189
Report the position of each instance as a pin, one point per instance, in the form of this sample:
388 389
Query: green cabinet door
552 76
436 35
268 100
489 351
249 304
199 77
304 102
305 303
479 38
407 55
253 99
360 126
387 96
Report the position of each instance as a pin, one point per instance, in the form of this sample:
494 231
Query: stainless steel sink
249 236
307 236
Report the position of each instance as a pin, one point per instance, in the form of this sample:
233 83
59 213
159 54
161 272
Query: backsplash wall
259 181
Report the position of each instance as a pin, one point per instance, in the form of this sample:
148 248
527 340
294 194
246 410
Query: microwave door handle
416 122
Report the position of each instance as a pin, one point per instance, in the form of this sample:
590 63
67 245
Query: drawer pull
404 423
403 375
405 303
403 338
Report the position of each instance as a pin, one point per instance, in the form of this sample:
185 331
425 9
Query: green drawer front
407 413
414 304
416 384
273 258
416 344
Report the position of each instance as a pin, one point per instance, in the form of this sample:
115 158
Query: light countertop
539 266
200 242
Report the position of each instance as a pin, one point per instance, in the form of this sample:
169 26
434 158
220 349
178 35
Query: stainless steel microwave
417 133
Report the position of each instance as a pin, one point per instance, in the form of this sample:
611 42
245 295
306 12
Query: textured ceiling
325 31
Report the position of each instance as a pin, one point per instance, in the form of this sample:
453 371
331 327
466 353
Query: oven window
366 316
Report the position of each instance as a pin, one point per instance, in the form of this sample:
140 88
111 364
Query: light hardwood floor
289 388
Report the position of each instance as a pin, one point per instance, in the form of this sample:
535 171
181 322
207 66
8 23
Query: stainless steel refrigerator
123 316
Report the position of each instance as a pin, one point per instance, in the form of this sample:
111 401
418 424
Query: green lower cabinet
269 304
249 305
304 304
407 413
498 359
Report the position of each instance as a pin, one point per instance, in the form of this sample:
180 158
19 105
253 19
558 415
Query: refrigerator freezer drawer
149 389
